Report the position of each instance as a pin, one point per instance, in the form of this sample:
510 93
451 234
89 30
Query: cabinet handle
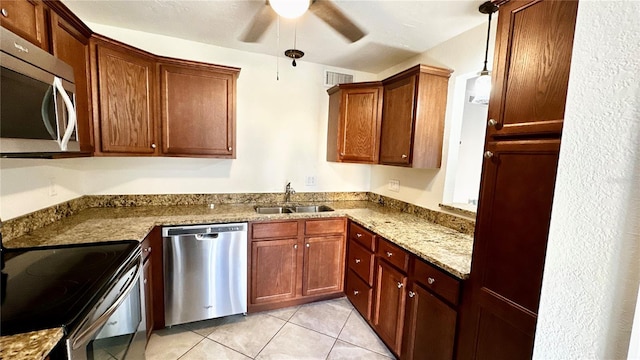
153 146
492 122
431 280
148 250
145 281
356 292
341 154
359 235
295 246
230 148
5 13
400 285
357 261
308 245
404 156
411 294
488 154
389 254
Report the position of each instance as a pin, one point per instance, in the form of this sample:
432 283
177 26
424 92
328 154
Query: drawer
437 281
364 237
324 226
360 294
360 260
274 230
393 254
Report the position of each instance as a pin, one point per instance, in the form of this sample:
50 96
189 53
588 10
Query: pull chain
278 49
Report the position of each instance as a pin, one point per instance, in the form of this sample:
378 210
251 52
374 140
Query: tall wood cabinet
413 113
355 114
526 110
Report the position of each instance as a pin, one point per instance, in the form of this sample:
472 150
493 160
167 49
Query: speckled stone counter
29 346
439 245
442 246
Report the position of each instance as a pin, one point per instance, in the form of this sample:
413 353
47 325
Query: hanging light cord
278 48
486 49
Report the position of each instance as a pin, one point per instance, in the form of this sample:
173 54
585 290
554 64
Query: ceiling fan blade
331 15
259 24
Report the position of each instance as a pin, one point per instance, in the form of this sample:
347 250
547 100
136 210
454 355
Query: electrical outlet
310 180
394 185
52 188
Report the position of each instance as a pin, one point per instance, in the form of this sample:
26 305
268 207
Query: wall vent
334 78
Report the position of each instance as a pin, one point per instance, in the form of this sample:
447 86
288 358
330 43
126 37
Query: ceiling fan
324 9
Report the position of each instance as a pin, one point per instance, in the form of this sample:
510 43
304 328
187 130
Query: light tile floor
331 330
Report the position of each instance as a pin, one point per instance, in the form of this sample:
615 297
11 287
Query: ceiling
396 30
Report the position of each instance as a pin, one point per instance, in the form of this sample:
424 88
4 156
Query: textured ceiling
396 30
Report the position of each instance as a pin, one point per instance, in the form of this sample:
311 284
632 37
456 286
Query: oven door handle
88 332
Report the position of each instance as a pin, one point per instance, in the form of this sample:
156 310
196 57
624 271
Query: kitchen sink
292 209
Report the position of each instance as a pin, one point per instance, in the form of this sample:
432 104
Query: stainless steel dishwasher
205 272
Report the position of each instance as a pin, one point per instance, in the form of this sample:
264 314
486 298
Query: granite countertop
31 345
444 247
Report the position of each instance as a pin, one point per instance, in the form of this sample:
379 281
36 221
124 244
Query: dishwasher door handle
206 236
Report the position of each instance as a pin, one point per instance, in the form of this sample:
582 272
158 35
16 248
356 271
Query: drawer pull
5 13
356 292
359 235
389 254
411 294
400 285
431 280
357 261
308 245
295 246
148 250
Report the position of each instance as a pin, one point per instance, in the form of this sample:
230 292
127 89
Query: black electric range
49 287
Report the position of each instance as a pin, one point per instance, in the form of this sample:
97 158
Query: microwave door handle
71 111
46 100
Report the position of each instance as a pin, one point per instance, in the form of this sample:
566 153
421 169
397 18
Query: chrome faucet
288 191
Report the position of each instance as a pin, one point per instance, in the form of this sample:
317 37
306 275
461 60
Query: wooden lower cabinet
390 297
286 270
323 265
360 294
430 329
274 269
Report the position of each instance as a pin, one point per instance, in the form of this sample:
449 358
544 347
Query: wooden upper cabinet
71 45
355 113
413 113
531 67
26 19
125 88
198 108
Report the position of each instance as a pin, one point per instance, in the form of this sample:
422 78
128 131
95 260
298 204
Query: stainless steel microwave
37 101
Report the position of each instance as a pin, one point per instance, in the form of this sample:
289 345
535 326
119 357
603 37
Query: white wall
469 162
281 136
592 271
426 187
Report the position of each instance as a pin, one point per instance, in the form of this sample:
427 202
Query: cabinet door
509 247
323 265
26 19
531 67
398 121
359 131
388 316
198 111
126 91
431 327
72 47
148 295
273 270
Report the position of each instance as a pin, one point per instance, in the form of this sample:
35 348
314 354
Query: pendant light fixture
294 53
290 9
482 88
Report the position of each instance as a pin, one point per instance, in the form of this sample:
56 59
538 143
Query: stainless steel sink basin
292 209
273 210
312 208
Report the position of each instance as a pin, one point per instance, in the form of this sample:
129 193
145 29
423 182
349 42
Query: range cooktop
48 287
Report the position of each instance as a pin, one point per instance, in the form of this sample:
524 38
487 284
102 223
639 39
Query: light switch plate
310 180
394 185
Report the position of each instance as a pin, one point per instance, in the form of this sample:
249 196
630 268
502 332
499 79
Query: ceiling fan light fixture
290 9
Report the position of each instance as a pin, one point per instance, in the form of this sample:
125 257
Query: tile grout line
354 311
191 348
273 337
230 348
339 332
